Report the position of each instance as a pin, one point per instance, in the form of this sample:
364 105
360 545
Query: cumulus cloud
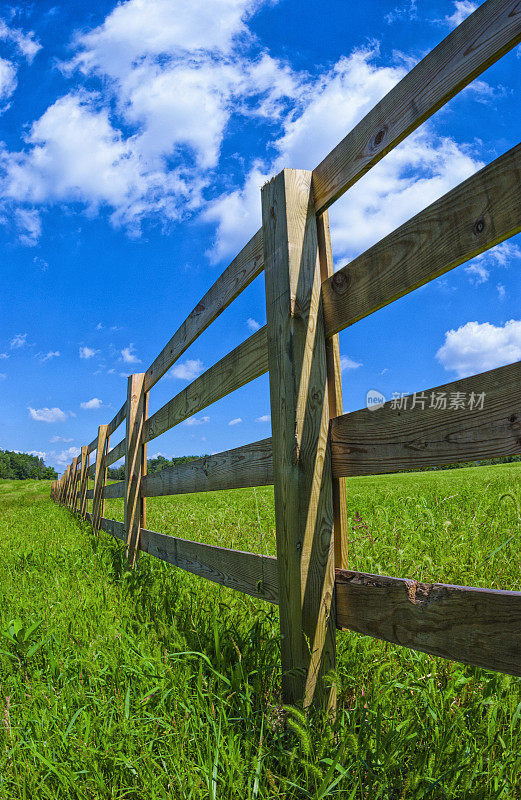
8 80
128 355
66 455
48 356
29 226
47 414
477 347
417 172
348 363
462 10
196 420
26 43
264 418
94 403
87 352
3 356
187 370
252 324
18 341
235 421
479 268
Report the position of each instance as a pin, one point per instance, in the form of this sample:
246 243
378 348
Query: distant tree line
153 465
22 467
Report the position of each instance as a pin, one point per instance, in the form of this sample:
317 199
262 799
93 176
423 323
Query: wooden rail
313 443
471 419
481 627
251 465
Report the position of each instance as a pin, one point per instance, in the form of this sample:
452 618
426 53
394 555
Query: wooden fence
314 445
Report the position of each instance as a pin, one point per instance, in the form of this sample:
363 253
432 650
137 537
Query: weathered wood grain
93 445
250 465
388 439
116 453
135 463
90 494
478 214
240 273
334 389
481 627
300 423
112 490
91 471
117 420
248 361
490 32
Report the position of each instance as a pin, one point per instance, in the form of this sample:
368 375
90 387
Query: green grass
158 684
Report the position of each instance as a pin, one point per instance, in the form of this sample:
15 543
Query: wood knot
340 282
296 309
479 226
379 137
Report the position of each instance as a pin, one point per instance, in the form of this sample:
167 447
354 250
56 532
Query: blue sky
134 142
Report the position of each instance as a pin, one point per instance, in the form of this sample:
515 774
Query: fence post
84 482
334 385
300 435
135 464
69 486
100 478
74 495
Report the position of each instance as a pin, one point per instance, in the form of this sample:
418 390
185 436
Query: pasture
158 684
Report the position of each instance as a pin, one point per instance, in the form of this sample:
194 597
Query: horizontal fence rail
481 212
250 465
313 444
248 573
481 627
471 419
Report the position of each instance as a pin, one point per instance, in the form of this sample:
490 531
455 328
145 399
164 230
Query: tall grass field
158 684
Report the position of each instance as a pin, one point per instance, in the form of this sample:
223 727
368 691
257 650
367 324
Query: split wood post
304 511
64 488
135 464
100 478
334 385
84 480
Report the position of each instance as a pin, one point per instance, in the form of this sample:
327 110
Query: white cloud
348 363
477 347
187 370
235 421
99 326
264 418
3 355
8 80
128 355
26 43
94 403
501 291
48 356
479 268
47 414
252 324
20 340
87 352
64 439
462 10
66 455
414 174
196 420
37 453
29 225
3 376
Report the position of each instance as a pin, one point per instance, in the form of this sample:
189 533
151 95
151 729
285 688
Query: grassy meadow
158 684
